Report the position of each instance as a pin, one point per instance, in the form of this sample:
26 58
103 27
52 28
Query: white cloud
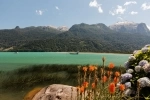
148 27
120 10
96 5
100 10
120 18
57 7
39 12
93 4
130 2
133 13
110 12
145 6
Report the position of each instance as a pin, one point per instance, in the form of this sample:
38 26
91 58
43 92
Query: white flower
146 68
137 68
144 50
148 45
143 82
125 77
131 58
126 64
130 71
118 84
127 92
128 84
134 52
143 62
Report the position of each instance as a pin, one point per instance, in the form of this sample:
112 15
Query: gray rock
57 92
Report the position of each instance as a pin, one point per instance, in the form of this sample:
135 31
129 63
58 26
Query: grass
37 75
17 83
20 81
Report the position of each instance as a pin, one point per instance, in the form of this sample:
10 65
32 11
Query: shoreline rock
57 92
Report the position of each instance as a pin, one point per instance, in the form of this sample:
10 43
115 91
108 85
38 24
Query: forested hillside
80 37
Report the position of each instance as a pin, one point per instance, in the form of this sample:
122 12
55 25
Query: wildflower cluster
99 83
137 76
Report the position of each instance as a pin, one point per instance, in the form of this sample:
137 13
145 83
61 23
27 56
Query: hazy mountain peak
125 23
148 27
52 26
62 28
130 27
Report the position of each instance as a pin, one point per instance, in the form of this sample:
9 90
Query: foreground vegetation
134 84
25 79
38 75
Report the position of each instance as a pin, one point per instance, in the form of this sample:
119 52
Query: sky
25 13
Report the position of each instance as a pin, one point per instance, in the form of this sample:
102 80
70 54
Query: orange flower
85 84
109 73
81 89
93 85
122 87
91 68
104 79
117 74
84 69
112 88
111 65
116 80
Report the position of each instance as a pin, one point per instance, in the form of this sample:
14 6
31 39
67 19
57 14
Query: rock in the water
57 92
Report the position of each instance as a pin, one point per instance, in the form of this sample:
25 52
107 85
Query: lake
11 60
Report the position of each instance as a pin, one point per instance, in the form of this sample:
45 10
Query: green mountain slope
117 43
19 36
81 37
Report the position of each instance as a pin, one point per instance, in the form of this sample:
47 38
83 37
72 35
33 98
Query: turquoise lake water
11 60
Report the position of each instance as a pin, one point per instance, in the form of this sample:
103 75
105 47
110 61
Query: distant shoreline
94 52
79 52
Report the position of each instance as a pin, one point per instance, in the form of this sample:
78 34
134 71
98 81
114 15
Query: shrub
137 76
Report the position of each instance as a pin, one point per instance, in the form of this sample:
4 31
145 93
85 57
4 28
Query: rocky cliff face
130 27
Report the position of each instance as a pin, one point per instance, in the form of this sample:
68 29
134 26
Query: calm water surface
11 60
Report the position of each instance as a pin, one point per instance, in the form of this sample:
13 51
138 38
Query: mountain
94 28
130 27
87 31
20 36
80 37
62 28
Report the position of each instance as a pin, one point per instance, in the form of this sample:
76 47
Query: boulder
57 92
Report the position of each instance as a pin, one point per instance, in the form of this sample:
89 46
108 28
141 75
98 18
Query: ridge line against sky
26 13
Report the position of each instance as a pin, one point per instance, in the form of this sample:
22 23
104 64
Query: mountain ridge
80 37
130 27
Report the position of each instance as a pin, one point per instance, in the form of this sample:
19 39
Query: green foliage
38 75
